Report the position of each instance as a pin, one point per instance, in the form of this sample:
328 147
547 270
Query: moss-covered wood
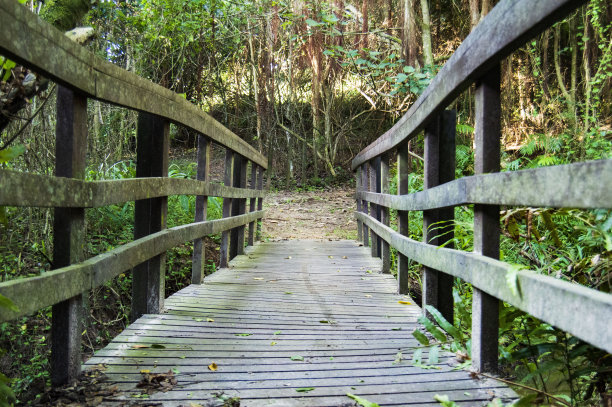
573 308
34 293
585 185
25 189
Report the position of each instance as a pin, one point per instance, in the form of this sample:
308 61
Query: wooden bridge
295 322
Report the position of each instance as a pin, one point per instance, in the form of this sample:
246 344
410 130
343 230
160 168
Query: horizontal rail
34 293
586 185
570 307
54 55
26 189
506 28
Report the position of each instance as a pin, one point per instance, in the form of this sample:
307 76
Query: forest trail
320 214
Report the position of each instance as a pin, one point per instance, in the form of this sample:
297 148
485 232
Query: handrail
51 53
508 188
544 297
505 29
47 191
30 294
81 75
586 185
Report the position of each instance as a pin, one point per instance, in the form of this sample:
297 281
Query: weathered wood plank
542 296
585 185
355 353
31 294
503 30
228 180
28 189
53 54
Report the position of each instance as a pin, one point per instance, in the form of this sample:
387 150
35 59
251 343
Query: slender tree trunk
409 37
545 41
426 32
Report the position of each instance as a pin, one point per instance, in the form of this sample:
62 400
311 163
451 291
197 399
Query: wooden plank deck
325 301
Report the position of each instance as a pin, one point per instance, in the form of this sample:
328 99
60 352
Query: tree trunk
426 32
409 37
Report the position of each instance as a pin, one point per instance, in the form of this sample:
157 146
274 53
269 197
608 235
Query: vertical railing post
485 308
244 162
358 202
152 138
260 179
374 172
236 245
253 203
201 206
439 168
68 235
430 217
228 179
402 216
446 216
364 203
385 250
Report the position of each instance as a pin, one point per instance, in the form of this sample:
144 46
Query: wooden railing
581 311
81 75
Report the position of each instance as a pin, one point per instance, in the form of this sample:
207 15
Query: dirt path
310 215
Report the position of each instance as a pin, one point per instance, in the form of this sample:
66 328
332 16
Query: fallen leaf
277 333
288 292
257 278
396 329
140 346
361 401
298 358
210 320
304 389
331 257
404 302
368 296
198 319
145 371
158 346
272 343
213 367
344 257
288 257
369 271
243 334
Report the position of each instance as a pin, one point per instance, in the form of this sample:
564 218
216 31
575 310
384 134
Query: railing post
238 206
68 235
228 179
374 172
260 178
201 206
242 205
358 202
148 278
364 203
253 203
402 216
446 216
385 250
485 308
439 164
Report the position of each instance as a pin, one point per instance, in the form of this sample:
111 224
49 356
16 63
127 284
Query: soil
320 214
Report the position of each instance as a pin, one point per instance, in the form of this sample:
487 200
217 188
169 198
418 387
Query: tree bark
426 32
409 37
